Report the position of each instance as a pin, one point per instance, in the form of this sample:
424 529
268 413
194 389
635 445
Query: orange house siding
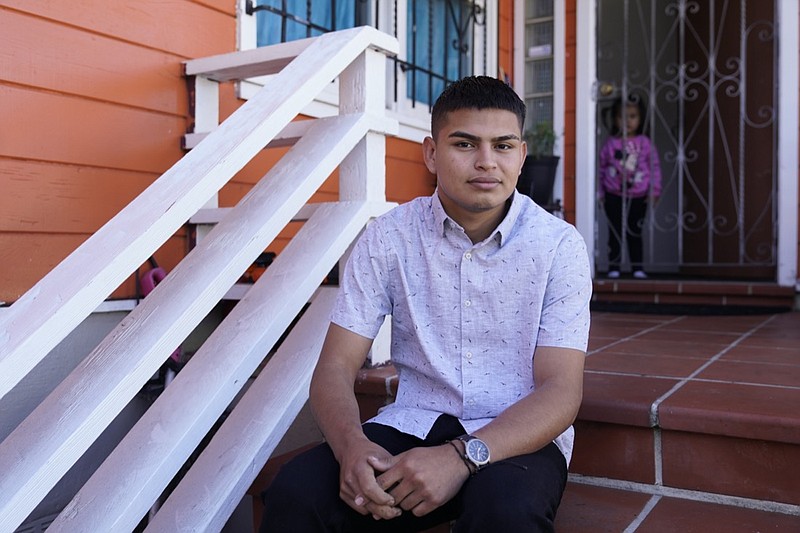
505 40
569 154
94 105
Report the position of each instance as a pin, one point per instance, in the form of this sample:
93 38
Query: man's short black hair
476 92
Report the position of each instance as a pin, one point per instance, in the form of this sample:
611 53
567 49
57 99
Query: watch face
477 451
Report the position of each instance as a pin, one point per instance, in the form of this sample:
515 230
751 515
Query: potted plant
539 170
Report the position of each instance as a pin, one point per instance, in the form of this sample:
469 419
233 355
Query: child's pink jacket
633 160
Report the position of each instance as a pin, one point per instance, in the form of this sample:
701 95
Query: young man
489 297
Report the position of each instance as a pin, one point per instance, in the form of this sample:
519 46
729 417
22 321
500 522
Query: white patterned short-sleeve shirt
466 318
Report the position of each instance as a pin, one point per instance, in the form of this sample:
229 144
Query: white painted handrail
35 456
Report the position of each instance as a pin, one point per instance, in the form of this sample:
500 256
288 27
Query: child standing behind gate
630 177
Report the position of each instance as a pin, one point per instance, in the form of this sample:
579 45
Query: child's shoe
613 274
639 274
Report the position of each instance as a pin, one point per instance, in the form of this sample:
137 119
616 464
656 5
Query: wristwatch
475 451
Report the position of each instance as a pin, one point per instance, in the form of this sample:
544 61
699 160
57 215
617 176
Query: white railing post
362 175
206 120
206 105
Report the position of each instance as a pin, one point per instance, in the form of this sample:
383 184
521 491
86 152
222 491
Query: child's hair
476 92
616 110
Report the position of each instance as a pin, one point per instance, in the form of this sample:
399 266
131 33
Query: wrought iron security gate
705 75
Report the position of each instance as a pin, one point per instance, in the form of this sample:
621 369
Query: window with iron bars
441 40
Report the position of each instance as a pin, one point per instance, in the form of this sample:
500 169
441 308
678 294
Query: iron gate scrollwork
706 71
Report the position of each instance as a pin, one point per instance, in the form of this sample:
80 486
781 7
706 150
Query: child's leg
613 208
637 208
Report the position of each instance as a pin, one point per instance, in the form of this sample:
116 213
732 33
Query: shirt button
469 355
468 256
471 402
467 303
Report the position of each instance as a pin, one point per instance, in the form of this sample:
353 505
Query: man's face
477 157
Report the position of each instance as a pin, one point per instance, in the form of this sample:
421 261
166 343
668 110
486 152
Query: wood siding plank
181 27
25 260
86 64
405 180
55 198
57 128
223 6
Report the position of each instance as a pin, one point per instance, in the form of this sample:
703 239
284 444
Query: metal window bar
464 17
360 16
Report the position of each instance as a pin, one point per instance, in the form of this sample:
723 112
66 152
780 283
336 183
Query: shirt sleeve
565 311
604 161
364 297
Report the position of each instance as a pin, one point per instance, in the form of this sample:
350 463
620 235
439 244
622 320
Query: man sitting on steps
489 296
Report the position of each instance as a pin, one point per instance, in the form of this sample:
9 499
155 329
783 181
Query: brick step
748 468
688 423
734 454
701 403
678 296
703 462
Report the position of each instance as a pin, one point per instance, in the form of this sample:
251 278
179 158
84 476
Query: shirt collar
439 216
501 233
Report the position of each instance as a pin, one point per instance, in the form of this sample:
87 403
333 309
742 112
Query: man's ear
429 154
524 149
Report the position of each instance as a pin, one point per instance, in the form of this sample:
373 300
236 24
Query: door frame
787 22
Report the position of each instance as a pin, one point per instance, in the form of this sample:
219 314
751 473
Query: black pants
519 494
636 210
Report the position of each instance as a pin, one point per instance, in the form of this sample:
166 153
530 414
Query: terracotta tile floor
588 509
721 385
731 375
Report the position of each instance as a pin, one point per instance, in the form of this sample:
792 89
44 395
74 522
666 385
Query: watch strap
464 458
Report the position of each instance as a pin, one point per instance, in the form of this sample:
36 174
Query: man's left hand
422 479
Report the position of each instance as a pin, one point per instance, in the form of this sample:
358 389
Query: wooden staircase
39 452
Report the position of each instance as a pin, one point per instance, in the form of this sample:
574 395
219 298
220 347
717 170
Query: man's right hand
338 416
357 480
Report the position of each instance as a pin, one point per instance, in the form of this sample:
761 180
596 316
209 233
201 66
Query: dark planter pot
537 179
